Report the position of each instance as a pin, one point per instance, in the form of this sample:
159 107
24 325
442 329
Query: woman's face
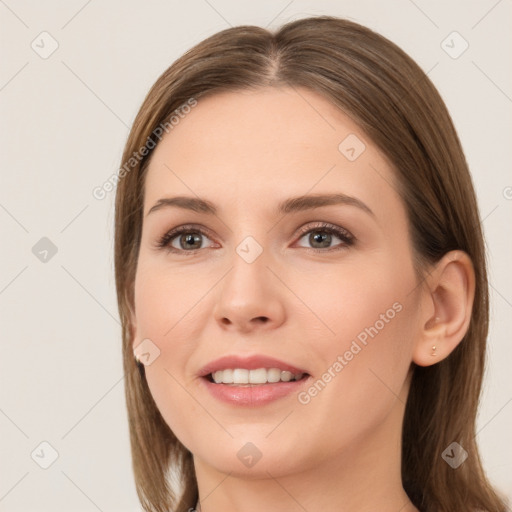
252 282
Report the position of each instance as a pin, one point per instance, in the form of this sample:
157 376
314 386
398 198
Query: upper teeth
259 376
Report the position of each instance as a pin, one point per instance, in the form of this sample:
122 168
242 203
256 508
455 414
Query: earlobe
448 295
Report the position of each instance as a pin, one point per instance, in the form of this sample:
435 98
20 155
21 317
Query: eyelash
346 237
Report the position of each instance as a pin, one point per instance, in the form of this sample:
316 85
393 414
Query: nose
250 296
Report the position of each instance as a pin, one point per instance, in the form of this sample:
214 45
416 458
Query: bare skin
301 300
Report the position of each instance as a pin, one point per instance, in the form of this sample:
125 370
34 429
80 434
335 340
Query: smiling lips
251 381
254 369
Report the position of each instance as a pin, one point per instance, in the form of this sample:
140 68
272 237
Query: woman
301 278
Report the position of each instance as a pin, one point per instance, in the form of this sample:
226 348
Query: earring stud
433 346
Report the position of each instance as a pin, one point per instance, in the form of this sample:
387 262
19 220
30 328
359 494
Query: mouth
252 380
256 377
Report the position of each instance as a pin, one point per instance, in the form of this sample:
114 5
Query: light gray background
64 120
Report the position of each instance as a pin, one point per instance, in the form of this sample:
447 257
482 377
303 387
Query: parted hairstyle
396 105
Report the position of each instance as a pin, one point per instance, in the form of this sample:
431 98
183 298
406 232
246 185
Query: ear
447 304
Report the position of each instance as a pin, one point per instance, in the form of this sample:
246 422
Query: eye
321 235
183 239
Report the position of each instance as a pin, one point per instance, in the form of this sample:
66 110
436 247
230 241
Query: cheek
370 378
172 399
161 316
165 303
354 299
366 353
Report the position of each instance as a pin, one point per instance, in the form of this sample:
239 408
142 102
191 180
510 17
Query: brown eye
320 237
189 241
183 239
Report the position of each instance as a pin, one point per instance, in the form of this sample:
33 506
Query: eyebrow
293 204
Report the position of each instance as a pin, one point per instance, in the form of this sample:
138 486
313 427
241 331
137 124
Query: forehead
238 148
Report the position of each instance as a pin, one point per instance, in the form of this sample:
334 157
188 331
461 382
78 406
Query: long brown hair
396 105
